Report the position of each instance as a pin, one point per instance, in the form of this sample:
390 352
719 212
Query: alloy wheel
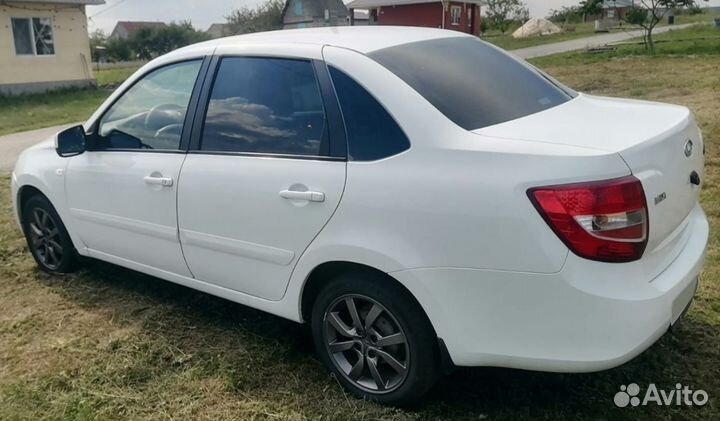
45 239
366 343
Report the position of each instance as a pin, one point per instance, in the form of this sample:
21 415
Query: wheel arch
29 186
325 272
24 193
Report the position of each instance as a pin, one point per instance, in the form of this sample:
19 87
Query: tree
566 14
264 17
590 8
501 13
118 50
97 39
152 42
649 13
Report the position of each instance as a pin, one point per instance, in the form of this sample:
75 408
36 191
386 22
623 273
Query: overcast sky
202 13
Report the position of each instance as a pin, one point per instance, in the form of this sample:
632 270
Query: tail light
605 221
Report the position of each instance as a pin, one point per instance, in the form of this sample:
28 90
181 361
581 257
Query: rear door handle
312 196
158 181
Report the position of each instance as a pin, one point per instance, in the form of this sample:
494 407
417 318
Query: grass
111 344
700 40
574 31
51 109
570 31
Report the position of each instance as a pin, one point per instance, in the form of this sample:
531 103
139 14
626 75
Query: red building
461 15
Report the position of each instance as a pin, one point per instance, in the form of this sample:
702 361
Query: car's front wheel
47 238
375 338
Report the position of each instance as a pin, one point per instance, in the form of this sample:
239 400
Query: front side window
33 36
471 82
266 105
455 13
372 133
151 114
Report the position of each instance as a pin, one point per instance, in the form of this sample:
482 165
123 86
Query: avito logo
681 395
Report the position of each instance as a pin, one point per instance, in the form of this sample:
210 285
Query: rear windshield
473 83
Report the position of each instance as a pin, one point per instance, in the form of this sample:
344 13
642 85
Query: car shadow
201 324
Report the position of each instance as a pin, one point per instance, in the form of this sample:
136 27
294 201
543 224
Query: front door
263 182
122 192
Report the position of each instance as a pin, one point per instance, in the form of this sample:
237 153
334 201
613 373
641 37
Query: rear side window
372 132
473 83
266 105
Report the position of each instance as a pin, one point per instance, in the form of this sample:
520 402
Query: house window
455 15
33 36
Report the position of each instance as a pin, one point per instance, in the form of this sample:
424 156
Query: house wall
316 23
430 15
422 14
70 66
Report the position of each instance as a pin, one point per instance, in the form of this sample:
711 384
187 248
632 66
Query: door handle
158 181
312 196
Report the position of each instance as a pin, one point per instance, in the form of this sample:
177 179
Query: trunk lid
650 137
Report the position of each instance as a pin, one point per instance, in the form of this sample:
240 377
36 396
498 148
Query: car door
122 191
265 176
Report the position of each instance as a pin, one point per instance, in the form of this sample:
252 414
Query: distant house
313 13
461 15
44 45
219 30
361 17
616 9
126 30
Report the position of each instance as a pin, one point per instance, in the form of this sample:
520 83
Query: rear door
264 175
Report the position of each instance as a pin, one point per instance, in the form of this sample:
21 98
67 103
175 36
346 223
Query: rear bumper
587 317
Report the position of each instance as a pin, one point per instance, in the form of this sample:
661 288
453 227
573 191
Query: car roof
364 39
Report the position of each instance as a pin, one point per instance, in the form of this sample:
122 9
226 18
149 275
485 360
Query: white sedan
421 198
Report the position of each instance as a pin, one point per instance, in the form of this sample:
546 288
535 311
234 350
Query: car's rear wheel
47 238
375 338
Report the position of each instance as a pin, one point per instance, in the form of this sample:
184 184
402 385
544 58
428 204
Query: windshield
473 83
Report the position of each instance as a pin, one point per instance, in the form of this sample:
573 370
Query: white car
422 198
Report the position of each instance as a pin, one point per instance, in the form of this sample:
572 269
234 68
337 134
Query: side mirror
70 142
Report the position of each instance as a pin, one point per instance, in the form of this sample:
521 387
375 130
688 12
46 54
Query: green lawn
51 109
570 31
700 40
111 344
574 31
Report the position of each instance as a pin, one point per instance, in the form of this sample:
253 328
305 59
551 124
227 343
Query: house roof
618 3
219 29
131 28
136 26
83 2
372 4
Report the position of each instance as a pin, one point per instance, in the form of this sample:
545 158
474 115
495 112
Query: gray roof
90 2
618 3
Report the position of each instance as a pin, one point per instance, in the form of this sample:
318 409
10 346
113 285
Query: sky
203 13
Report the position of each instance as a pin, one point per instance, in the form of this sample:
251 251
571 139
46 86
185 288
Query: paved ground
582 43
12 145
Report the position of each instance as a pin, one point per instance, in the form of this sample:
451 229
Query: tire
392 315
47 238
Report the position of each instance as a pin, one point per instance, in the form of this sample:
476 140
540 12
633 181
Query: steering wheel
171 129
164 115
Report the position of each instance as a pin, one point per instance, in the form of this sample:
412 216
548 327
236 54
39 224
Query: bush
571 14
